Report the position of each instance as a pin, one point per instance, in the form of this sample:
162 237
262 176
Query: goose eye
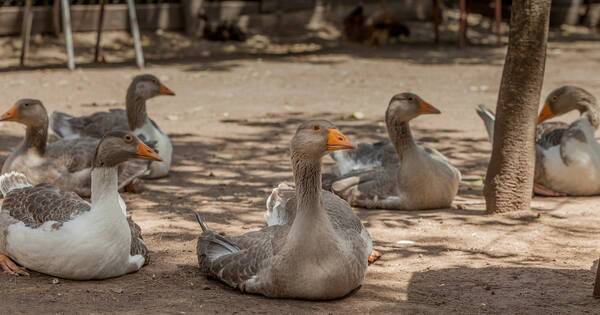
128 138
554 98
410 98
316 127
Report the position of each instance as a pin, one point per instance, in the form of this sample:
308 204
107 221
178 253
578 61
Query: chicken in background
378 29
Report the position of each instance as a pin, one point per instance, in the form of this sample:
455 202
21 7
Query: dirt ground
236 108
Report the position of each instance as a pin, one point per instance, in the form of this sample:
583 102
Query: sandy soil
231 121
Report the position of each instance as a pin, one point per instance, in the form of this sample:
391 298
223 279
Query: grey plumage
316 252
408 176
65 163
142 87
94 125
365 156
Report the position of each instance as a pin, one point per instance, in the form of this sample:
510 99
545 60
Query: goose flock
313 245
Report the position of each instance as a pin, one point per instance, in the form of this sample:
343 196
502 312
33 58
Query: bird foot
375 255
11 268
547 192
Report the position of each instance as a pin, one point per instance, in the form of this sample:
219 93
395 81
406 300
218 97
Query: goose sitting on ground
567 156
66 163
321 253
46 229
400 175
134 118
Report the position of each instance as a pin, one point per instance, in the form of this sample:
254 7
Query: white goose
55 232
567 156
134 118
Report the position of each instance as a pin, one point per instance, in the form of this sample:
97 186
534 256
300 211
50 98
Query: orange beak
10 115
337 140
426 108
165 90
146 153
545 114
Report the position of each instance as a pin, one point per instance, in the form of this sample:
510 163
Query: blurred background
173 29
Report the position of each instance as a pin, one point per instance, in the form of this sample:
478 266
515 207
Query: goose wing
234 260
549 134
36 205
94 125
365 156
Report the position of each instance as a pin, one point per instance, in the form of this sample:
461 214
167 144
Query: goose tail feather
11 181
489 118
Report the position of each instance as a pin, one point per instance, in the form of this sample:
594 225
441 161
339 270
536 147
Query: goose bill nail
426 108
165 90
545 114
9 114
145 152
337 141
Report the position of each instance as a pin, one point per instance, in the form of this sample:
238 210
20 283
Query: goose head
315 138
147 86
119 146
406 106
565 99
29 112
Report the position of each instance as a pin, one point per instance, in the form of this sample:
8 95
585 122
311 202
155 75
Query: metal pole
26 30
99 30
66 16
436 12
463 24
498 21
135 32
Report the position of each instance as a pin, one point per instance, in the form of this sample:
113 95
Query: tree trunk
509 179
597 283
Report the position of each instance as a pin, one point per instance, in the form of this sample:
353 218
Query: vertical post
66 17
135 32
193 10
56 18
26 30
99 30
463 24
436 11
498 21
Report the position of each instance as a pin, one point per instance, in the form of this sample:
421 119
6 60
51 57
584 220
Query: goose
66 163
401 174
567 155
49 230
321 253
134 118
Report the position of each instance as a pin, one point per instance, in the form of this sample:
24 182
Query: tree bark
597 282
509 179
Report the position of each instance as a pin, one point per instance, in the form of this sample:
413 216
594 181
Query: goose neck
307 177
36 138
401 137
105 187
136 110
